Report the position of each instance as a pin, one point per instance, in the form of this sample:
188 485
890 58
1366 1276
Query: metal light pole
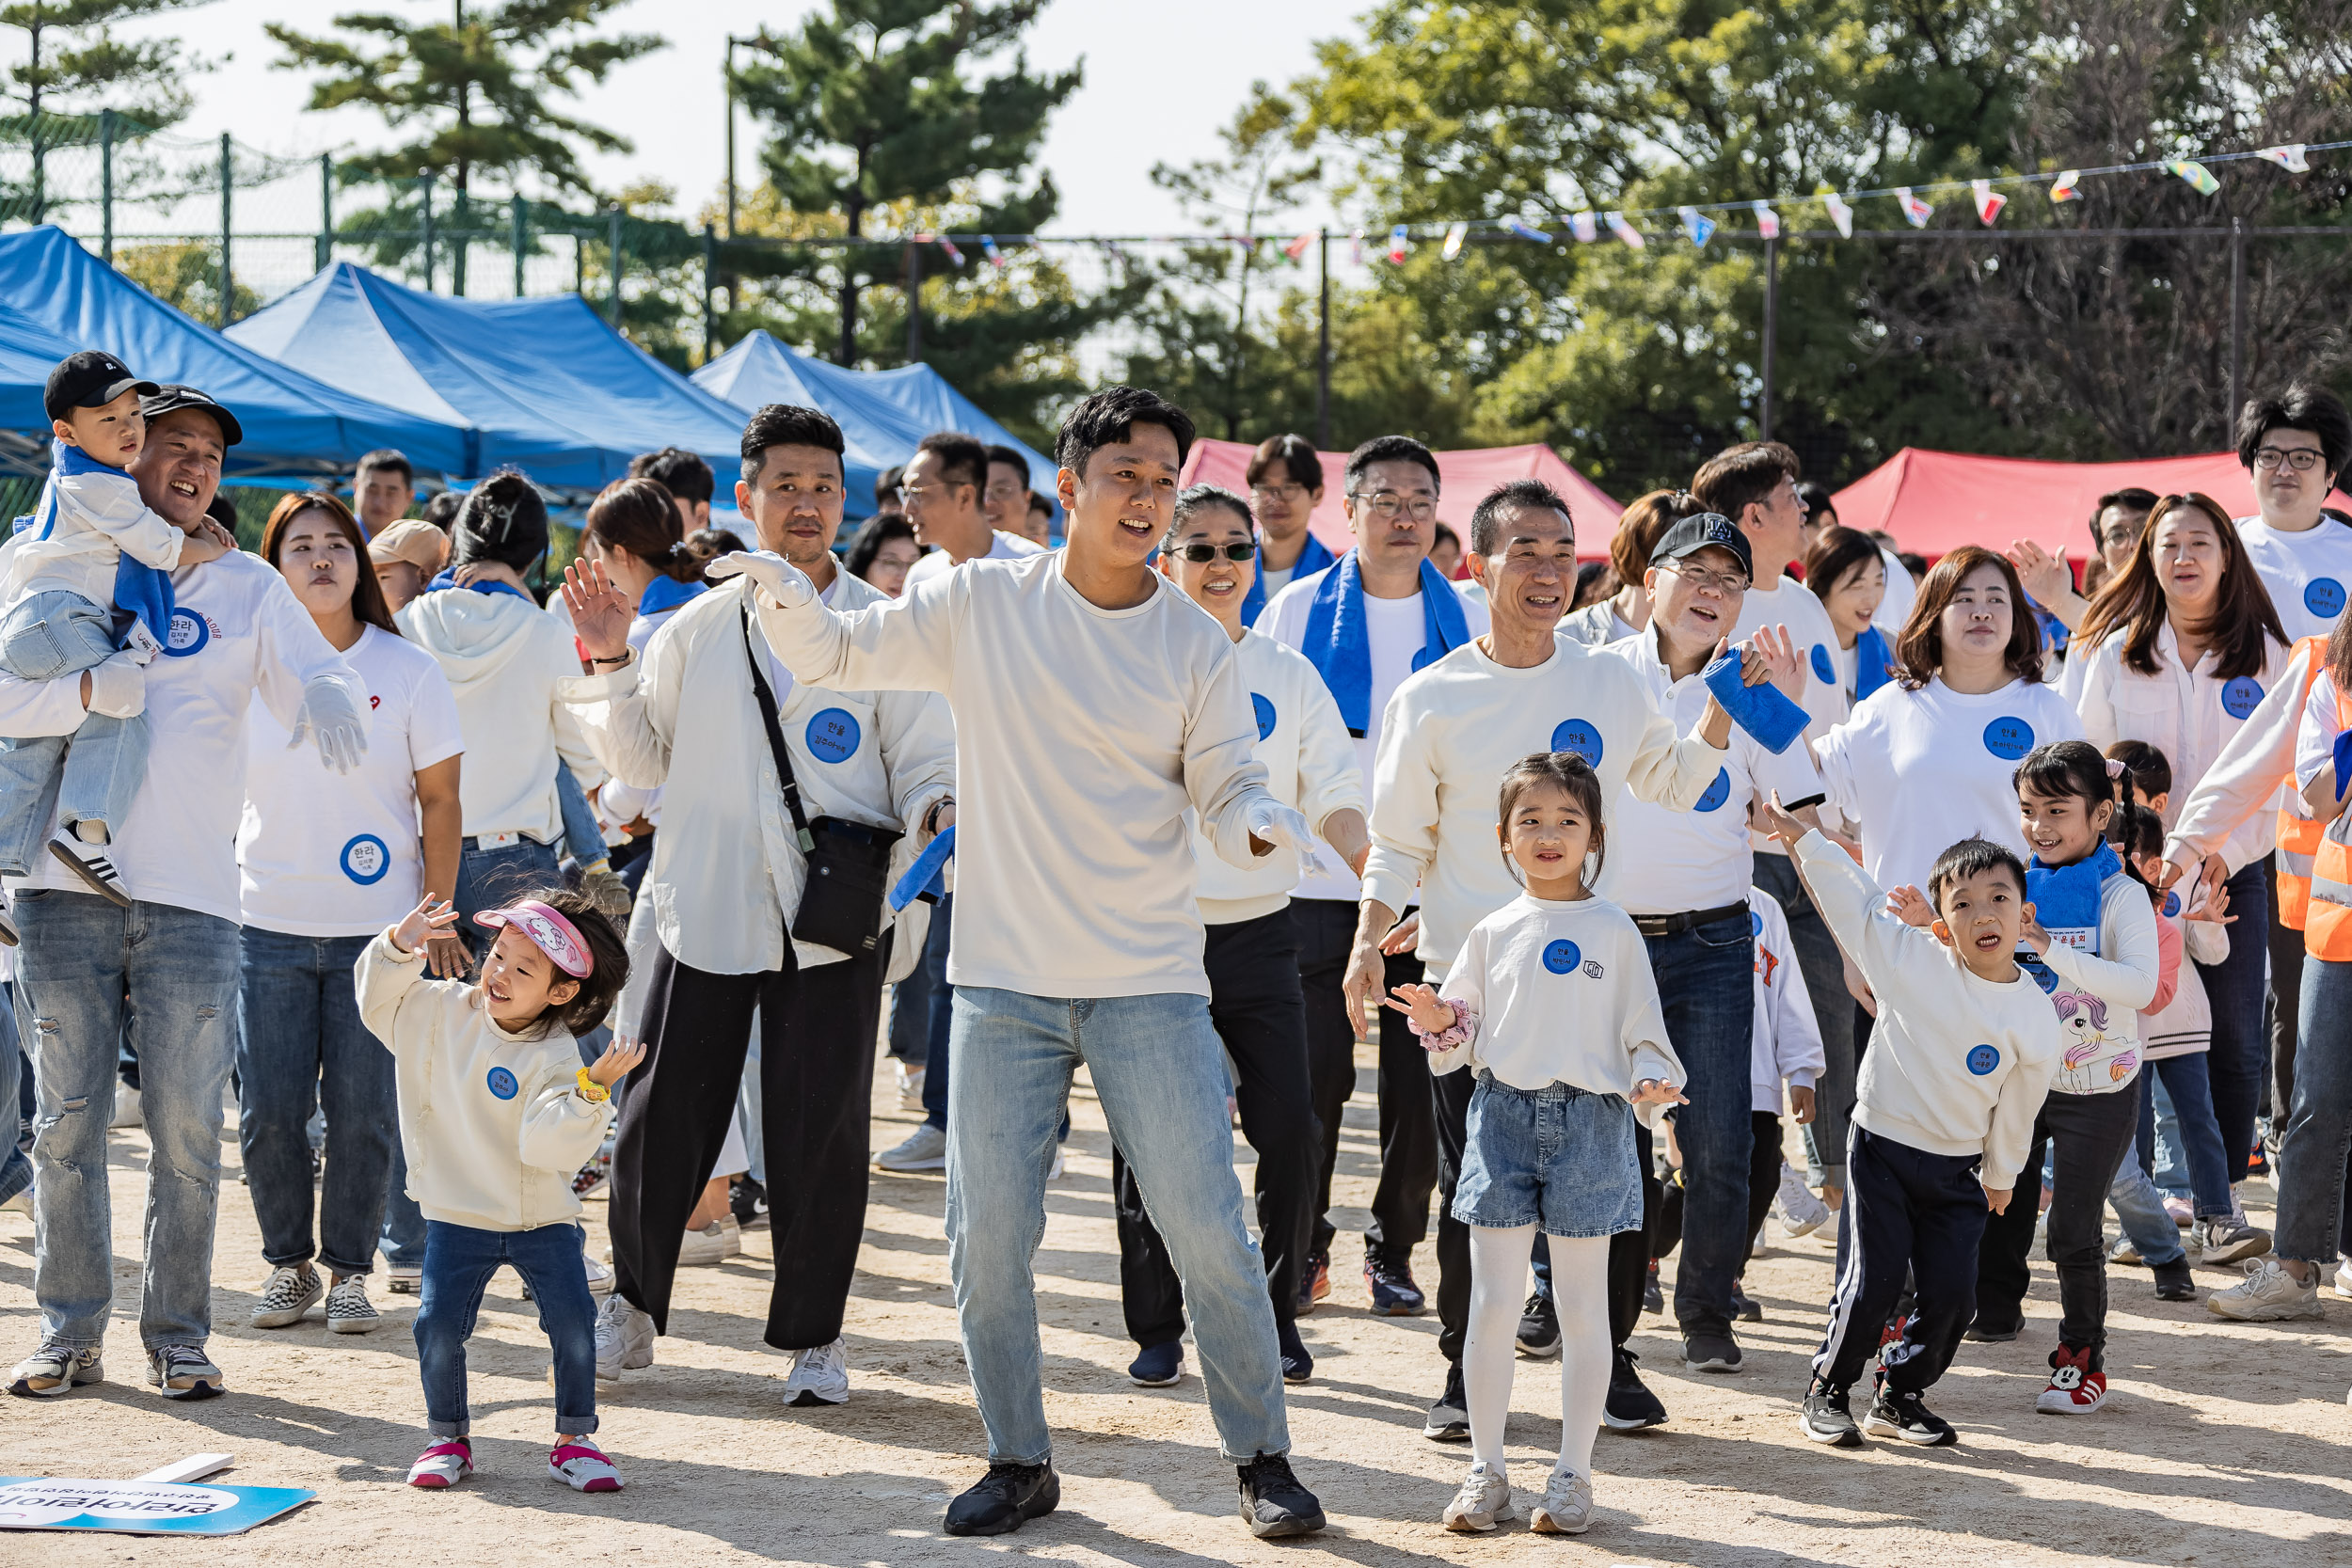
1323 344
1772 333
425 186
2237 328
327 210
616 268
519 223
106 184
228 186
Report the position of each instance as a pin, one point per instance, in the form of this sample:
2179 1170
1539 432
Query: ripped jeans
88 970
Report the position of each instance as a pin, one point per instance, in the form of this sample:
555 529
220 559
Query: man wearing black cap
168 962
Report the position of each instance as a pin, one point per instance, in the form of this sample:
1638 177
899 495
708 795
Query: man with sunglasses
1366 623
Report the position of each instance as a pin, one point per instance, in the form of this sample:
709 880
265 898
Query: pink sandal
443 1464
583 1466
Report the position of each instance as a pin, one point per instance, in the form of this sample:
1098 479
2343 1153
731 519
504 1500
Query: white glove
1277 824
331 719
779 578
118 687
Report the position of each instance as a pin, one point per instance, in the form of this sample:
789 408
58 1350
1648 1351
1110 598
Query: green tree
74 67
185 275
879 102
471 96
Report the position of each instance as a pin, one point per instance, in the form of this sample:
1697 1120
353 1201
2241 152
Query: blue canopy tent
55 297
883 414
544 384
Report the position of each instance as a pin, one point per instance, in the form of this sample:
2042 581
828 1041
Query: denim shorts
1558 1157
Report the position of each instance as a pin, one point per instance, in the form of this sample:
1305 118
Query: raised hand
601 612
431 918
1910 906
619 1057
2216 908
2046 577
1421 1002
1778 823
1772 654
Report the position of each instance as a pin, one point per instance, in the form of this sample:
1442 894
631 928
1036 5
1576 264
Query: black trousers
1907 1211
1763 1185
1629 1250
1254 1006
2284 1014
2087 1135
1325 930
815 1086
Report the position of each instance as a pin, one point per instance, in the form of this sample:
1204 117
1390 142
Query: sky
1159 83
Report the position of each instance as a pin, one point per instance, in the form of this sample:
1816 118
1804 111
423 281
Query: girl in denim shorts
1552 1005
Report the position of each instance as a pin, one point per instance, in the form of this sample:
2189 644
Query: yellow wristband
591 1089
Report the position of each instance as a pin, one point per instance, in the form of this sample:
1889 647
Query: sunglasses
1200 555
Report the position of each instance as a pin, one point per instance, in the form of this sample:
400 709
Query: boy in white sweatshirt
496 1114
1957 1065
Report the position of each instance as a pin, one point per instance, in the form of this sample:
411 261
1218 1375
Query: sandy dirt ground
2221 1445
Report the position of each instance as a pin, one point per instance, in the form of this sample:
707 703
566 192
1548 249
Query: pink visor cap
553 935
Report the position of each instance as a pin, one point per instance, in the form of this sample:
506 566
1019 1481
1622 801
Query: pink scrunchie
1460 1033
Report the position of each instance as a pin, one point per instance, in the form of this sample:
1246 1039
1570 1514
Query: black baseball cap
1695 533
91 379
171 397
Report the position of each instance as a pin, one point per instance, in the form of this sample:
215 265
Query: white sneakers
715 1243
911 1087
2269 1294
2229 1241
624 1337
1484 1499
1801 1213
1566 1508
2343 1277
291 1293
925 1149
348 1309
820 1375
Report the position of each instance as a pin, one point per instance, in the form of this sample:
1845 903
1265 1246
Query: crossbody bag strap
767 700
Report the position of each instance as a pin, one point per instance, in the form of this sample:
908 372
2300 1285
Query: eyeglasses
1700 577
1200 555
1283 492
2303 459
1388 503
917 492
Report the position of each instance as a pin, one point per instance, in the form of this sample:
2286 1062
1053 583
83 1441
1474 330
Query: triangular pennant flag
1839 213
1988 201
1248 243
1526 231
1302 244
1397 244
988 248
949 247
2289 157
1696 224
1454 237
1623 229
1583 227
1356 248
2063 188
1915 209
2195 173
1767 221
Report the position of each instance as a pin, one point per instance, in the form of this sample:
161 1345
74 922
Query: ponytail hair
639 515
503 519
2075 767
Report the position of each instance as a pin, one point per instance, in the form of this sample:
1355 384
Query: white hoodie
492 1124
505 660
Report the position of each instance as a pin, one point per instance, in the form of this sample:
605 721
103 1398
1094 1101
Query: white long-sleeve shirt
727 869
1786 1047
238 635
1957 1064
2309 574
1451 732
2099 995
492 1124
1082 736
94 517
2183 1026
2253 769
1775 600
1001 547
1921 770
1563 995
2189 715
1310 762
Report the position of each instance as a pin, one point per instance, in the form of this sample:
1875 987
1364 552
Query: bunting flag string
1583 227
1767 221
1916 211
988 248
1988 201
2289 157
1624 231
1839 213
2062 189
1302 244
1696 224
1399 239
1526 231
2199 178
1454 238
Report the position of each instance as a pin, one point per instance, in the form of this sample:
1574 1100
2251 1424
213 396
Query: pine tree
471 96
75 66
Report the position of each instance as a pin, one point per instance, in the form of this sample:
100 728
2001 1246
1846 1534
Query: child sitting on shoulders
496 1114
1958 1062
1552 1005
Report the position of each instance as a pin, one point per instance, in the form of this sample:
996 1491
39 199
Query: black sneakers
1539 1328
1711 1353
1298 1362
1391 1282
1449 1419
1273 1502
1827 1419
2174 1282
1630 1406
1988 1331
1744 1306
1907 1417
1008 1496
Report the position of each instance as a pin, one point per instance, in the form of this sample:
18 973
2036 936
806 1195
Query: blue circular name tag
188 633
832 735
1561 956
1982 1059
2323 596
365 859
1580 737
2009 738
1755 924
1823 668
1717 793
502 1084
1264 710
2241 696
2171 904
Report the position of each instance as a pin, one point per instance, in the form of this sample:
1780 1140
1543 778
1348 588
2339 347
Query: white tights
1579 1289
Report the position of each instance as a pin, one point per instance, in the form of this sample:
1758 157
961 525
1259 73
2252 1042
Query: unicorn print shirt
2101 978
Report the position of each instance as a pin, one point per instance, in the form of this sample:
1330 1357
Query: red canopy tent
1464 479
1935 501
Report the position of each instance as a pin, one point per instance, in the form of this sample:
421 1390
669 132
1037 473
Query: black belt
1674 924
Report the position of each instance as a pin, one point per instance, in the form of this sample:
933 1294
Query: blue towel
1872 659
2065 898
2344 762
1338 646
924 878
1763 711
449 579
142 593
667 593
1314 559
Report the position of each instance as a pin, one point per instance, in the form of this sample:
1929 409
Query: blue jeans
301 1046
941 1044
1159 1071
2239 1062
582 839
16 1167
86 965
1706 979
2197 1136
458 1262
2318 1135
88 776
2139 1206
2160 1144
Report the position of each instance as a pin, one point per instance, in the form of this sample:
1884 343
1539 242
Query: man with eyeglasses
1285 476
1005 496
1366 623
944 493
2293 445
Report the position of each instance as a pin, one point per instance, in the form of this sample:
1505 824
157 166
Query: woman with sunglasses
2180 649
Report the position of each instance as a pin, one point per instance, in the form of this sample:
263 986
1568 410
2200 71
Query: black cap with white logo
1693 534
91 379
171 397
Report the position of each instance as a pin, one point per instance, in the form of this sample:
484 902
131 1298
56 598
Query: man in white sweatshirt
168 962
692 716
1290 1108
1448 736
945 492
1093 705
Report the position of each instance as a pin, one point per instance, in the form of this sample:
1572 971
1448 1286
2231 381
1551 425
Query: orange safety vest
2328 933
2299 837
